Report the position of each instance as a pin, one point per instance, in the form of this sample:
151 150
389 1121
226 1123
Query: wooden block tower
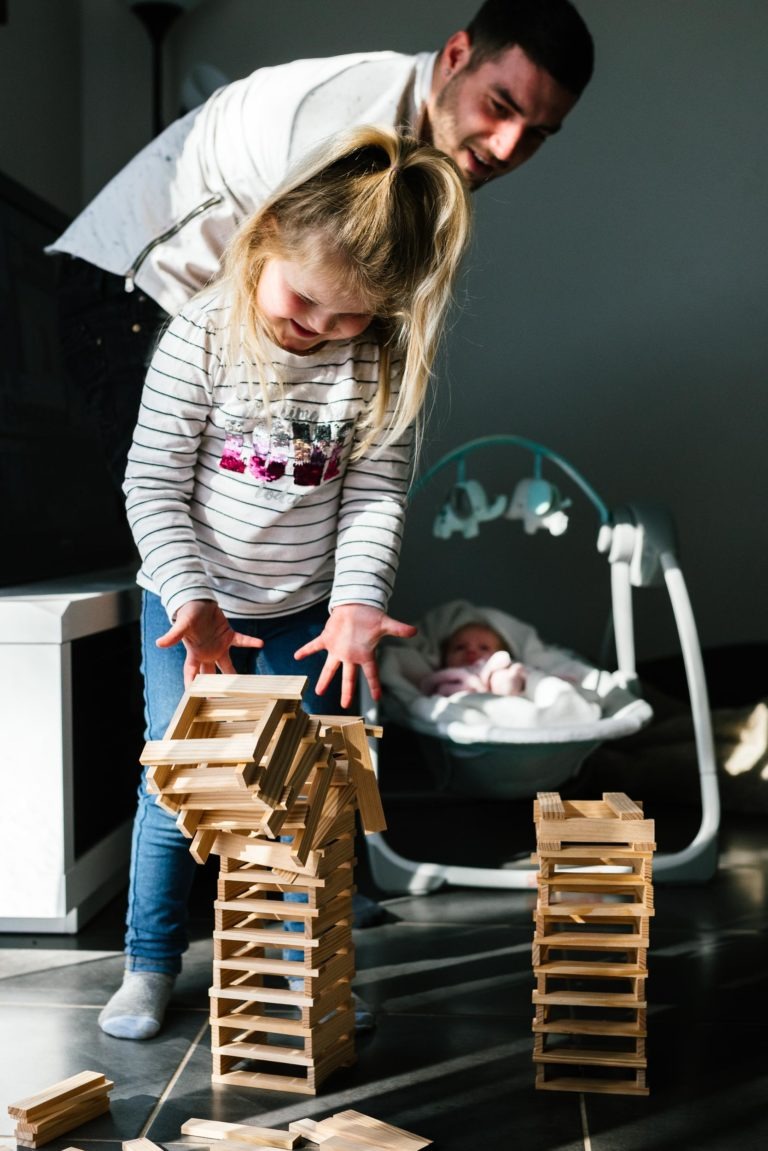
273 791
590 944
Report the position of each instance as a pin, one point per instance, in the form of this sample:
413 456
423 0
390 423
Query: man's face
491 119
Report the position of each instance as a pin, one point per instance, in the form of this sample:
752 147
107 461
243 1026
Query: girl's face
305 308
470 645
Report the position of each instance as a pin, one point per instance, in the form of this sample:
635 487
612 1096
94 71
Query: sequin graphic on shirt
271 450
315 449
232 454
317 452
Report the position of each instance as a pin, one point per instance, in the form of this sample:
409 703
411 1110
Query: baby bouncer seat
482 745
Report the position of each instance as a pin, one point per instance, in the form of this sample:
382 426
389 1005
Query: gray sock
137 1008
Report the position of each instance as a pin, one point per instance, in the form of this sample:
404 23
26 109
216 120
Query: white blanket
565 697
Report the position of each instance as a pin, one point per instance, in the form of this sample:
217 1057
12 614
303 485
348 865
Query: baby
475 659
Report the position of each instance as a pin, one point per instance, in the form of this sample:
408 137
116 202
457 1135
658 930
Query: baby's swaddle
563 692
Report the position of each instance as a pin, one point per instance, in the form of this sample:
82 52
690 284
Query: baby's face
471 644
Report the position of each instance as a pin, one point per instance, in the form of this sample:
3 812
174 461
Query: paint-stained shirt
260 506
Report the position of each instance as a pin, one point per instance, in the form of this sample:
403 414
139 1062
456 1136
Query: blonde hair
390 218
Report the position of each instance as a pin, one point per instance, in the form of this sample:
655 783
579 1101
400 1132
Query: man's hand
205 632
350 638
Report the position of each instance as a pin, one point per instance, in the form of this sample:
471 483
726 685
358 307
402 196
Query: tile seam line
173 1080
584 1124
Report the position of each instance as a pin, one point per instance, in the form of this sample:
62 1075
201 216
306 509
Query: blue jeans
162 870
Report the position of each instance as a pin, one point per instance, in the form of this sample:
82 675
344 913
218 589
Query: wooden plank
305 839
596 830
596 969
266 1082
277 907
264 937
336 801
287 738
273 686
58 1123
330 723
305 758
211 1129
602 854
581 911
586 1086
266 1053
187 822
591 1057
375 1132
183 718
275 995
548 805
56 1111
587 999
249 1021
339 1143
621 805
264 852
630 1028
49 1098
592 940
364 777
259 966
232 749
202 844
275 713
140 1145
306 1129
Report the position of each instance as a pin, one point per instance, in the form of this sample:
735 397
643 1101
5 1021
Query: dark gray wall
615 301
40 129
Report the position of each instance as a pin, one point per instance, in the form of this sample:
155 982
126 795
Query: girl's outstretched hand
205 632
350 638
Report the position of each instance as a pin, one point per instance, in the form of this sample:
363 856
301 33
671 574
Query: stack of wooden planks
59 1108
595 901
273 792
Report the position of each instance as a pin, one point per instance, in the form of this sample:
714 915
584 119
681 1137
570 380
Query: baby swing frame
638 542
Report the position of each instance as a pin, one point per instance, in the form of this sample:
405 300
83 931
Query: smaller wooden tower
590 945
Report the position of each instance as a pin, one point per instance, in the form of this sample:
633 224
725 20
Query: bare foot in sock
137 1008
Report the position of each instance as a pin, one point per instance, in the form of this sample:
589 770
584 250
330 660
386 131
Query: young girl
267 479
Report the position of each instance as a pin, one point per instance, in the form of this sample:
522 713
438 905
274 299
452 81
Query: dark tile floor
449 976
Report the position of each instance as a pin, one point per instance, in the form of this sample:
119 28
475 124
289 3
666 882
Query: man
155 234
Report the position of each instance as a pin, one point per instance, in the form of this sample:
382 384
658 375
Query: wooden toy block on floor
59 1108
242 1134
273 792
353 1131
595 900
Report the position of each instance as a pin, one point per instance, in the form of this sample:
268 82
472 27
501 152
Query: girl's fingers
326 675
241 640
371 673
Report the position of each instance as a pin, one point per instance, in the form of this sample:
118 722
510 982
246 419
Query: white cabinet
70 704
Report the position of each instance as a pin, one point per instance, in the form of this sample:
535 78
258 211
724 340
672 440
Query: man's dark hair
550 32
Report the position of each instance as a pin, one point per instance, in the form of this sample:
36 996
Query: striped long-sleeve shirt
266 516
